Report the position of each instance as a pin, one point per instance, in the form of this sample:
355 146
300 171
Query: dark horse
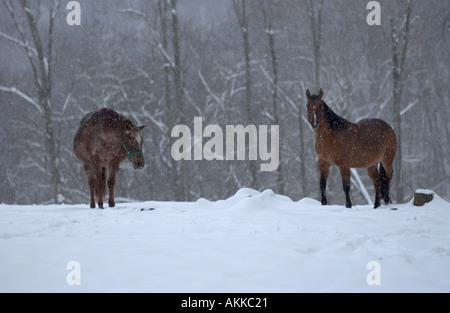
105 139
352 145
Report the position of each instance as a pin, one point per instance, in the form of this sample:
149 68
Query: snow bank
250 242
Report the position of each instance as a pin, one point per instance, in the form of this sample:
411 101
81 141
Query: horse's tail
384 183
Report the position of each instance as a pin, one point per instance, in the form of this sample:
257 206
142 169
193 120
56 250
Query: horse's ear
308 94
128 128
141 127
320 93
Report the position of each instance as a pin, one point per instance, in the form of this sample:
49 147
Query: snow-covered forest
164 62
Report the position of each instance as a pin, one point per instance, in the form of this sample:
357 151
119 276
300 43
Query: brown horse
103 140
352 145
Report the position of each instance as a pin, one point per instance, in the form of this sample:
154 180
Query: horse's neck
324 130
327 130
336 122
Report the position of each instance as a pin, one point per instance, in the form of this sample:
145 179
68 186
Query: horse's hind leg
375 177
324 169
345 174
91 182
99 184
112 171
386 172
387 166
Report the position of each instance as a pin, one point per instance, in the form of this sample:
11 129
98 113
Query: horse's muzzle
138 165
315 120
315 125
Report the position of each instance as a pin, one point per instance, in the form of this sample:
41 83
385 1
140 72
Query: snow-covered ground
251 242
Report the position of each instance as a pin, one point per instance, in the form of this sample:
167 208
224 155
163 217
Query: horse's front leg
345 174
111 182
324 170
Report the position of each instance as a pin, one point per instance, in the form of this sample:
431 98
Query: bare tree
270 31
179 107
173 96
315 19
400 37
39 55
242 16
212 59
163 9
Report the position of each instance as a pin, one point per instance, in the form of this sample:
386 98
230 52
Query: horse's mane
336 122
111 118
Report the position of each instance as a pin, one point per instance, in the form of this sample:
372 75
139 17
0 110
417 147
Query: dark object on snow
104 140
147 209
352 145
420 198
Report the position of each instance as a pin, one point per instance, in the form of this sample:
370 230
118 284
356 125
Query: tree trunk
243 22
399 49
302 154
54 178
316 31
41 65
276 110
172 117
179 107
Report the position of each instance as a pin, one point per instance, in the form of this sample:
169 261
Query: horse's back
375 137
96 135
377 129
97 120
358 145
86 118
374 122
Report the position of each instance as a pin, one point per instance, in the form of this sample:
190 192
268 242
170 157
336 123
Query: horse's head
316 109
132 143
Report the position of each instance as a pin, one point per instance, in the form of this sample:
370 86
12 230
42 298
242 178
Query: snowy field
251 242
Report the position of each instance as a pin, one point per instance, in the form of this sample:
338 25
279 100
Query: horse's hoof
111 205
